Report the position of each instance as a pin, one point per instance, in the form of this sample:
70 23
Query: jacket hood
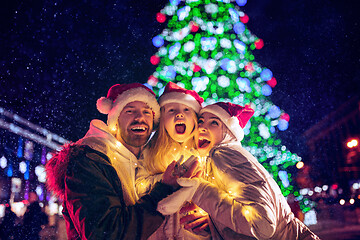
56 169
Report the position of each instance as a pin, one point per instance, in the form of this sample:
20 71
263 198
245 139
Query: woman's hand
197 219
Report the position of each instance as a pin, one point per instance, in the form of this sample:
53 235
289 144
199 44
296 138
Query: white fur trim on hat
104 105
178 97
128 96
232 123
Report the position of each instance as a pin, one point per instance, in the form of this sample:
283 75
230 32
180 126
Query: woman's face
210 132
179 121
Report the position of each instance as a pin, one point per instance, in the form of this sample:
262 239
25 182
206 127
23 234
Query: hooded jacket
95 179
243 200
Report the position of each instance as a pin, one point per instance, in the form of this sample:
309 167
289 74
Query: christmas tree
208 48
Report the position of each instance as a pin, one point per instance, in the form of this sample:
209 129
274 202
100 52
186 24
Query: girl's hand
191 172
168 176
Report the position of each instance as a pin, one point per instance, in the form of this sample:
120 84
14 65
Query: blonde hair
161 146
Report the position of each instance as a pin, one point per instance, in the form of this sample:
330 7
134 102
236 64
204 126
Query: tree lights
206 46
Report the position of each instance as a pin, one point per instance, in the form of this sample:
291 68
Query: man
95 176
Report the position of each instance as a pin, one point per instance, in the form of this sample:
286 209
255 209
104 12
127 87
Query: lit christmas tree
207 47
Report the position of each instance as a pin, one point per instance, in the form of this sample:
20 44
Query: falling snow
58 58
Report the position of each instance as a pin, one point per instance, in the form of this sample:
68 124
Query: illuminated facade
334 151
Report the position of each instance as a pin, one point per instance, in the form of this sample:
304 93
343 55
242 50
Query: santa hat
175 94
235 117
119 95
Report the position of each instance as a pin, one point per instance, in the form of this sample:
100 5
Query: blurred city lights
352 143
342 201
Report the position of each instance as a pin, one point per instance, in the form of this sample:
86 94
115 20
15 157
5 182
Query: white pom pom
104 105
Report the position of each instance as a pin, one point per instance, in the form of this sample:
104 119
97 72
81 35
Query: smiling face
210 132
179 121
135 125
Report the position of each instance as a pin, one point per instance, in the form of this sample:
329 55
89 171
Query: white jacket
171 229
243 200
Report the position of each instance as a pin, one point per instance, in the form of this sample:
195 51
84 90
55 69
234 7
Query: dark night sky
57 59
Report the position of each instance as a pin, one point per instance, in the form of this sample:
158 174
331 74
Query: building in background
334 153
24 149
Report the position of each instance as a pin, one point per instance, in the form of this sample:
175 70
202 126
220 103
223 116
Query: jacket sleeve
96 206
251 218
244 202
144 181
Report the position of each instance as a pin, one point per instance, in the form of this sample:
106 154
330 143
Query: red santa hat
234 116
119 95
175 94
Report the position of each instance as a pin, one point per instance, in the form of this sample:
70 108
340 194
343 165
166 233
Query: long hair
161 147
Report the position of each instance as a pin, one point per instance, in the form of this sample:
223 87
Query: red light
196 68
160 17
285 116
272 82
244 19
259 44
152 81
334 186
249 67
154 60
194 27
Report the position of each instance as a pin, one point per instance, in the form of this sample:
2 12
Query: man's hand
198 220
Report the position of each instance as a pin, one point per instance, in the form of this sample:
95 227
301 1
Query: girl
242 199
173 139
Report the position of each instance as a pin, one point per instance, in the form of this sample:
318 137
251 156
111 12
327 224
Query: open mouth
203 143
138 129
180 128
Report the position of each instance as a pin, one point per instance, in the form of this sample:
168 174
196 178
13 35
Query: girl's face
210 132
179 121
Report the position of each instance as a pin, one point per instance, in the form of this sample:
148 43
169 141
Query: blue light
240 46
20 148
274 111
224 64
174 2
266 74
241 2
266 90
283 125
272 129
9 172
158 41
234 15
239 27
170 72
148 86
244 84
284 178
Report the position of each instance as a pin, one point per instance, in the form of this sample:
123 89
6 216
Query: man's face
135 124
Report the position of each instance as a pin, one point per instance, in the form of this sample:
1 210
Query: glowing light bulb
300 165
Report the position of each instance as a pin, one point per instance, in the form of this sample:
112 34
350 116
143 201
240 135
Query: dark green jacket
94 207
